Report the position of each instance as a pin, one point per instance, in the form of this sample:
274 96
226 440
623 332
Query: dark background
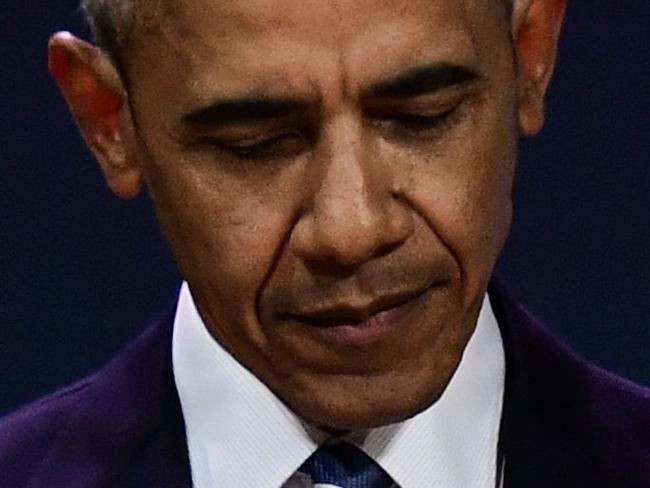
81 272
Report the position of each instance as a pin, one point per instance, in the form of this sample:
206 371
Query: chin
364 403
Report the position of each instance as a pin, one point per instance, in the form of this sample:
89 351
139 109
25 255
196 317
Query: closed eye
416 124
280 146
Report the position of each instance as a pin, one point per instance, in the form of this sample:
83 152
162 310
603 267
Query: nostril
386 249
336 264
331 268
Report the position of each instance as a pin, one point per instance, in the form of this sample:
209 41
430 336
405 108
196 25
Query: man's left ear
536 26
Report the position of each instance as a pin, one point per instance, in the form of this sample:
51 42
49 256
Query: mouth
362 324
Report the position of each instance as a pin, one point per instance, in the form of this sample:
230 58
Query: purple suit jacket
566 423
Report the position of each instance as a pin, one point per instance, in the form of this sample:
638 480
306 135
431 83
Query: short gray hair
110 23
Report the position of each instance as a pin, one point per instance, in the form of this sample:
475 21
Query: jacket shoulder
583 425
89 433
27 434
622 410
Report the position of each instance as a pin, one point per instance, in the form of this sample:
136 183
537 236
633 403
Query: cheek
463 192
225 232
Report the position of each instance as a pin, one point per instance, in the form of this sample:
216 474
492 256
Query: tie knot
346 466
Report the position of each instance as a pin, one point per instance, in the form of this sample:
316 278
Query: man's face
334 178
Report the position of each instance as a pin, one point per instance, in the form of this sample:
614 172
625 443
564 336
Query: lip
347 324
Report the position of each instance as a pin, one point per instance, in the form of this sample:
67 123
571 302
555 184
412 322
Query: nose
354 212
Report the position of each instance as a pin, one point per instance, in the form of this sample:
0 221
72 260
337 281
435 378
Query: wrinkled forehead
232 41
147 16
211 21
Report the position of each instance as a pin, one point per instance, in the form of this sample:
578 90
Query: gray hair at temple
111 23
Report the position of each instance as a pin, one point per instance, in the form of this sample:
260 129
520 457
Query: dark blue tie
346 466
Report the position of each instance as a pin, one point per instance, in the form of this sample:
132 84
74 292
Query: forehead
210 45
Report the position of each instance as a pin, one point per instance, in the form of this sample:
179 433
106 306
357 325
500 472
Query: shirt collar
240 434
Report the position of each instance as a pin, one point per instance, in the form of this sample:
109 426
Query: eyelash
420 126
268 148
410 125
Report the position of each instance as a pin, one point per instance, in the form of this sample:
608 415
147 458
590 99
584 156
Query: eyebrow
246 109
423 80
417 81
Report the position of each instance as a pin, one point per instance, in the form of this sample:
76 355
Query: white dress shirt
240 435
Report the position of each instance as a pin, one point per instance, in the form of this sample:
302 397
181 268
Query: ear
536 26
97 99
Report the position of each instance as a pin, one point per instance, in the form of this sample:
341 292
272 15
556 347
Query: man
334 178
